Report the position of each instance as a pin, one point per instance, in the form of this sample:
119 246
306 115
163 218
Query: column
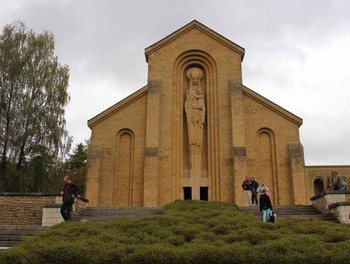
151 169
239 155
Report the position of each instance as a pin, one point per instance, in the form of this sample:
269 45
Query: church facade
195 132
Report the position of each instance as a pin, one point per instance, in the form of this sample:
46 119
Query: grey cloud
296 53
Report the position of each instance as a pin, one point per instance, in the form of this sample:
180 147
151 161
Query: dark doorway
187 193
318 186
203 193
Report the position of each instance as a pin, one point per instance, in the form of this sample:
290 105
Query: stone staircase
295 211
11 235
95 214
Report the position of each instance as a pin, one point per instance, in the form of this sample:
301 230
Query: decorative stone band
154 86
239 152
295 151
151 152
95 153
235 87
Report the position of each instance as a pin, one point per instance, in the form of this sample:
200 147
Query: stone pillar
239 155
151 169
94 175
297 173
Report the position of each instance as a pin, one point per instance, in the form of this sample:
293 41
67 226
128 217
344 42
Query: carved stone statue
195 113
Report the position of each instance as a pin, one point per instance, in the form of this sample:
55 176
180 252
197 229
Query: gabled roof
194 24
116 107
272 106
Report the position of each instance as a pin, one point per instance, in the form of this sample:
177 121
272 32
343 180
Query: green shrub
15 255
175 240
157 253
188 232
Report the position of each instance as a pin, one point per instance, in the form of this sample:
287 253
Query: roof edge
326 166
194 24
271 105
116 107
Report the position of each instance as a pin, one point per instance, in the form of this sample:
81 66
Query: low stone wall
34 209
80 205
334 202
23 209
341 211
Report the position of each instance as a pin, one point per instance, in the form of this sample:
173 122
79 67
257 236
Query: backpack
273 217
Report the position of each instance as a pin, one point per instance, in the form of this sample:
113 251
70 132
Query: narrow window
203 193
187 193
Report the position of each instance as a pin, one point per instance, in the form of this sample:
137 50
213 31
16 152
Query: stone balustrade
334 202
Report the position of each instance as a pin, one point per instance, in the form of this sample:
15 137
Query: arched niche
209 176
123 174
266 169
319 186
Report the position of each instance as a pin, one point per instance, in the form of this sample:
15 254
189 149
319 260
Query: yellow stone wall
138 152
274 172
103 170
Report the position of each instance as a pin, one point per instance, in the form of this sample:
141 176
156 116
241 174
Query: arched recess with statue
196 162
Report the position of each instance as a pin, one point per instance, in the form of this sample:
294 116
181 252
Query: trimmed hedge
188 232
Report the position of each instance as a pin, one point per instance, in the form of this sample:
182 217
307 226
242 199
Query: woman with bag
265 205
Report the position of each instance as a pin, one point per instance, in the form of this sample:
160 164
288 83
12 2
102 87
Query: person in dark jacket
69 192
255 186
265 205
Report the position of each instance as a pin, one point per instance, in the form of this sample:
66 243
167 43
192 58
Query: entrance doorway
203 193
187 193
318 186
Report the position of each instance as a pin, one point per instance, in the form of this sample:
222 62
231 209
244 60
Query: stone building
195 132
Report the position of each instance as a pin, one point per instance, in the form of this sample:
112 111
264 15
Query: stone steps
94 214
292 211
11 235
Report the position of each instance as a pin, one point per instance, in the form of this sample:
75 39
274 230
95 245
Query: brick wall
23 209
27 208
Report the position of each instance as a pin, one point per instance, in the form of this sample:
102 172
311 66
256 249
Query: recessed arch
210 160
319 185
123 174
267 168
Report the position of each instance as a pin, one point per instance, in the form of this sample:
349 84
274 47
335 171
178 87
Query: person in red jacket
246 186
69 192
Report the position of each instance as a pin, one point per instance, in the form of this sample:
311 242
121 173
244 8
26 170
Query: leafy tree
33 96
76 164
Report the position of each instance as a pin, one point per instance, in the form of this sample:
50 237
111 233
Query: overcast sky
297 54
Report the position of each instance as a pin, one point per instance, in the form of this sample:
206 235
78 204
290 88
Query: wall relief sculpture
195 114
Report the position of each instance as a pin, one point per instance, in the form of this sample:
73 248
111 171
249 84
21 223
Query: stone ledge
27 194
335 205
38 195
330 192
